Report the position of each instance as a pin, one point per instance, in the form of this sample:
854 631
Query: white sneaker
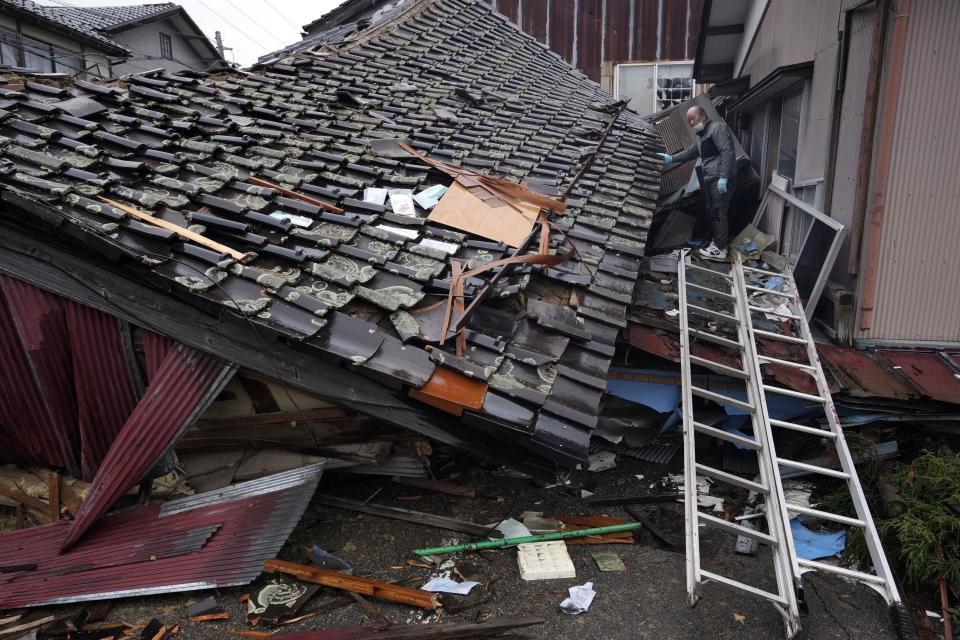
713 252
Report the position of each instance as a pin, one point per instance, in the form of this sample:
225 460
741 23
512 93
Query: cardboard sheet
477 211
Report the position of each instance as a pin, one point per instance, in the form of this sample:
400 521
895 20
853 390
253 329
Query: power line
245 15
241 31
282 17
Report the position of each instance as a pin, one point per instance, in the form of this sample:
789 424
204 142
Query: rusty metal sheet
102 379
589 37
214 539
863 374
673 21
182 388
616 31
929 371
536 16
562 25
646 27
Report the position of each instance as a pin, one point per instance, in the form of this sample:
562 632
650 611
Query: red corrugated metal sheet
35 369
864 373
102 379
185 384
930 371
215 539
155 349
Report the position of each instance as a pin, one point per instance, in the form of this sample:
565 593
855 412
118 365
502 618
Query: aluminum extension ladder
732 312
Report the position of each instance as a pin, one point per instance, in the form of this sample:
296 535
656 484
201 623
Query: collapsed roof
295 273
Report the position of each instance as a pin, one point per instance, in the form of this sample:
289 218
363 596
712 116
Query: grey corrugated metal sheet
916 297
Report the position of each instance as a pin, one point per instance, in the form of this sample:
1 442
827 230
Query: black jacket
717 152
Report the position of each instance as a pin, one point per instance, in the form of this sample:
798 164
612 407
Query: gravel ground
648 600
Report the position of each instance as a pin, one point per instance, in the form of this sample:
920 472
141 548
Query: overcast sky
251 27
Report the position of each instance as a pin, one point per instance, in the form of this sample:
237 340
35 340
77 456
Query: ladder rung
771 291
740 586
787 363
793 464
710 337
696 267
729 478
773 312
710 313
716 367
826 515
708 290
793 394
737 529
779 336
764 272
726 435
803 428
841 571
720 398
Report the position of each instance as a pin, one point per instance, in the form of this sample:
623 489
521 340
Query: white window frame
656 76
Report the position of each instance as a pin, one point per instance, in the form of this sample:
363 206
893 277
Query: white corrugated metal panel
918 291
862 24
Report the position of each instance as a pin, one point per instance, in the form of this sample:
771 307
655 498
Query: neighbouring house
846 101
103 41
637 49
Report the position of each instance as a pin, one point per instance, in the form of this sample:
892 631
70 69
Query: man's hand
666 157
722 185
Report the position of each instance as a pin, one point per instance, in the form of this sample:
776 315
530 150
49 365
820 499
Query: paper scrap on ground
510 528
581 596
446 585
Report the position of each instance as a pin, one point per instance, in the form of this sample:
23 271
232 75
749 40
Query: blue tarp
811 546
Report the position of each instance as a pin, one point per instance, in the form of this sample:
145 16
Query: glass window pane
635 81
8 49
758 134
674 84
789 135
36 55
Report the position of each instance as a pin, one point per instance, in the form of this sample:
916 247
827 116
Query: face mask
699 127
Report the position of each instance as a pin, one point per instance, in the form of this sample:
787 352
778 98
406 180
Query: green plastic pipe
509 542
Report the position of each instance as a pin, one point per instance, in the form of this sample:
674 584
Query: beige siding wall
918 280
794 32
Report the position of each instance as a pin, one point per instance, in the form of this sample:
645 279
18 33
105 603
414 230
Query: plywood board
476 210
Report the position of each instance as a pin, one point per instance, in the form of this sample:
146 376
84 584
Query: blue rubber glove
666 157
722 185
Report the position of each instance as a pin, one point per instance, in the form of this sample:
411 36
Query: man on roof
717 171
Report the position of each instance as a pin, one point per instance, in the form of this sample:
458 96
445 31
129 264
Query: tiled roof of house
368 286
106 18
74 21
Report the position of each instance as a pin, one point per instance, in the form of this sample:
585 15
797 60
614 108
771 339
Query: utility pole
219 42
